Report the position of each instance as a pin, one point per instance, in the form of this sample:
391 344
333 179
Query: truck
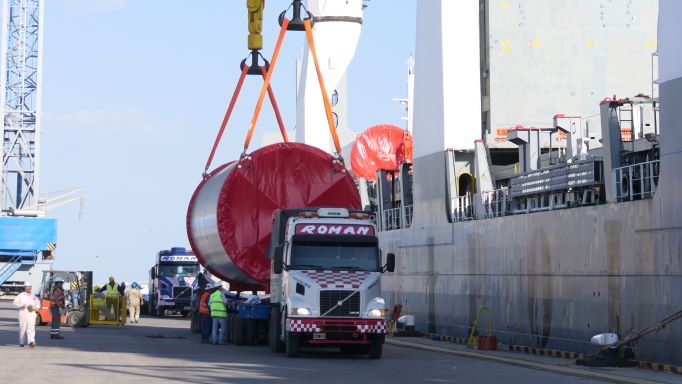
171 282
325 285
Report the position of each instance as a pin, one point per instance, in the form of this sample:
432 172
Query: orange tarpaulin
382 146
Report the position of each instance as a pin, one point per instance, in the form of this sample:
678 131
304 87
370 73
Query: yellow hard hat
96 288
111 278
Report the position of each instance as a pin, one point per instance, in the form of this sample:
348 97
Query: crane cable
275 107
266 84
235 96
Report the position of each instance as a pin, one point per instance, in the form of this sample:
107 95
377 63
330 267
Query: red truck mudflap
337 331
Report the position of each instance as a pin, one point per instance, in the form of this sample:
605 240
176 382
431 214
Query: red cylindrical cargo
229 219
382 146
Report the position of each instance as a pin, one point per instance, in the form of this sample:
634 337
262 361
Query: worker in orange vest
57 304
205 314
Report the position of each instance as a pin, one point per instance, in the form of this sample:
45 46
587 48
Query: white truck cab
326 281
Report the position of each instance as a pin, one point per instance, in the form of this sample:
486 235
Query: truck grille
349 308
182 292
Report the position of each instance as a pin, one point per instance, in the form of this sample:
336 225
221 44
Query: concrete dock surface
125 354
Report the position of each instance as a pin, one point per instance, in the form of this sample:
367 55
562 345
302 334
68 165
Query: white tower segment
336 31
447 89
20 94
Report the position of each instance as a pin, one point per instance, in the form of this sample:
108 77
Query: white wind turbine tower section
336 31
20 94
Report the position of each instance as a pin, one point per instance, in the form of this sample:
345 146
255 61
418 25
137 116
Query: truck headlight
376 313
301 311
376 307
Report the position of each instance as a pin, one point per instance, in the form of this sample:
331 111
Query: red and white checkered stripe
378 327
300 325
338 279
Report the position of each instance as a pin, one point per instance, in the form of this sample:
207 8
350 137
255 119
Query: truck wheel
274 330
239 330
250 332
376 345
293 345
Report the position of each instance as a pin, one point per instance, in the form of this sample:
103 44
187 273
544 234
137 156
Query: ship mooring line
522 363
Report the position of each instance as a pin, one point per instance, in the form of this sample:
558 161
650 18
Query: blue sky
133 95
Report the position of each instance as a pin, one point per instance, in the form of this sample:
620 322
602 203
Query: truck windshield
363 257
175 270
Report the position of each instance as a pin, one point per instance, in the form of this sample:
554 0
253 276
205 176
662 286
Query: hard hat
111 278
27 284
58 280
96 288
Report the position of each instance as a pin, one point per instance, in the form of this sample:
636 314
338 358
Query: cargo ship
561 215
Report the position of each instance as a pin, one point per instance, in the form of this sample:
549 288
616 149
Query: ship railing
391 219
636 181
493 203
409 212
463 208
483 205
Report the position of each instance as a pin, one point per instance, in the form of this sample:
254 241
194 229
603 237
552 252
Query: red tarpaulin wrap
229 220
382 146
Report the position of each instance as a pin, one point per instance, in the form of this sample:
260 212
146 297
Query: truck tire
376 345
239 330
293 345
274 330
250 332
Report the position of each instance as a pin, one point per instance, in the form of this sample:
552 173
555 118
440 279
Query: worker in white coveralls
28 304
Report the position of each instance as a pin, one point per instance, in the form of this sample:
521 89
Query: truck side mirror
278 260
153 273
390 262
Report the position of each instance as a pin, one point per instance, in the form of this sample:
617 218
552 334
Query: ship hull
551 279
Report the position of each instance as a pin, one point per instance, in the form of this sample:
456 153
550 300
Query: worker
205 314
97 303
195 325
57 305
111 290
134 303
216 303
28 304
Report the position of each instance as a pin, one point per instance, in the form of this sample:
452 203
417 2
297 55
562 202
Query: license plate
188 308
319 336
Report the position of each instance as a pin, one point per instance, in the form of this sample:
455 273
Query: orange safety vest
203 306
57 298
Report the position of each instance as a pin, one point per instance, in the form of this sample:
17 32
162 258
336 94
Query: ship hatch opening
465 185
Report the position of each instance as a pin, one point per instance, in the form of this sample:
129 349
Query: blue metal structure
23 241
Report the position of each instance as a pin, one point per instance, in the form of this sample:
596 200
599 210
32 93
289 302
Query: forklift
77 289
